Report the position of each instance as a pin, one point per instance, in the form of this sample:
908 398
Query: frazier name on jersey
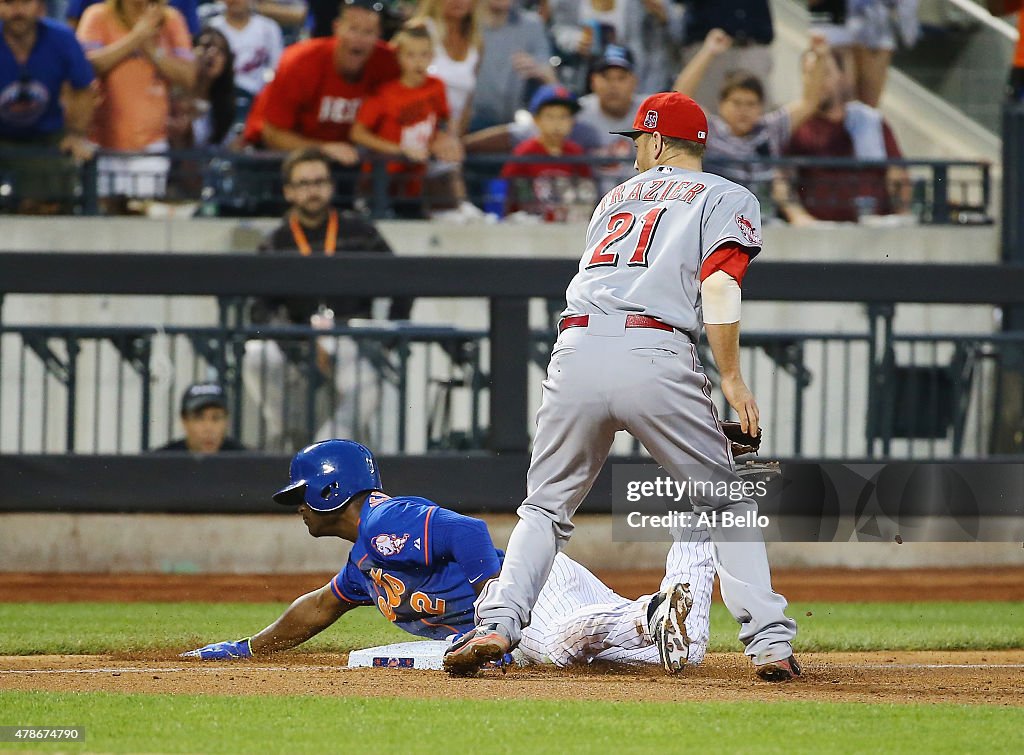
656 190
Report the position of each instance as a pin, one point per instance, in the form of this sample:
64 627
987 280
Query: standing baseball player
423 567
666 253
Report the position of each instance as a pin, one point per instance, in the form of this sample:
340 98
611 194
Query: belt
632 321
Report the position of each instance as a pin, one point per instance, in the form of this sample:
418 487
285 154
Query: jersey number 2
619 225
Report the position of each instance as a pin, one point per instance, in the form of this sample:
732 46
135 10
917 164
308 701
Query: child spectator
405 117
544 186
140 50
257 44
456 30
741 132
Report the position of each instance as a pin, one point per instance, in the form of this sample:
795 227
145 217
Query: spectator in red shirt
850 129
320 84
406 117
544 183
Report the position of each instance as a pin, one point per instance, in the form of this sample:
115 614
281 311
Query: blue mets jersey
417 562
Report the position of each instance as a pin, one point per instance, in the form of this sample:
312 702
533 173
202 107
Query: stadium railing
867 393
249 184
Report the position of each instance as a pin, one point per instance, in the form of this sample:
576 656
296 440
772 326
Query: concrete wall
162 543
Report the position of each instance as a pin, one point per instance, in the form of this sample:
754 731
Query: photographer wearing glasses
277 373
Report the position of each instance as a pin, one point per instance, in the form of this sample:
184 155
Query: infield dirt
974 677
991 678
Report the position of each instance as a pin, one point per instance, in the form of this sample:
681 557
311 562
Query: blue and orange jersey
417 562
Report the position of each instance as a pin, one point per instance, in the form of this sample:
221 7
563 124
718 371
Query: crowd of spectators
422 84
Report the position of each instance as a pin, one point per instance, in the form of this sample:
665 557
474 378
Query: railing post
798 398
72 388
379 205
145 354
510 360
1013 182
940 194
90 188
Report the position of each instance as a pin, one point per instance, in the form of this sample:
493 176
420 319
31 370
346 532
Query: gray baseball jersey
641 259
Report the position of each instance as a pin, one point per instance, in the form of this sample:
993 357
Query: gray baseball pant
651 384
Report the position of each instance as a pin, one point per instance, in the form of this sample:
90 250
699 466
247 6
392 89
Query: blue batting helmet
329 474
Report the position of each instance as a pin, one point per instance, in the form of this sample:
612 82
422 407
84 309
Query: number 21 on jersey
606 253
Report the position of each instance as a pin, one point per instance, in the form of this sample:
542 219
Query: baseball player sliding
423 566
666 253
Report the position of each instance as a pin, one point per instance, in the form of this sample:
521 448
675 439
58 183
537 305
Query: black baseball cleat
473 650
779 671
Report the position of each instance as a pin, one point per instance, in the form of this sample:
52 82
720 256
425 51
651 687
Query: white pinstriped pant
578 618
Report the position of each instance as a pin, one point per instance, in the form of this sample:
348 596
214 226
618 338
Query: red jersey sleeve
730 258
288 91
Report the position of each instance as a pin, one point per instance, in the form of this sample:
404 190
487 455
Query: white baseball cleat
666 620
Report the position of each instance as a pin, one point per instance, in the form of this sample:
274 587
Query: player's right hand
221 651
742 401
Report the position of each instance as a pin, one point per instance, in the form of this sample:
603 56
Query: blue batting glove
222 651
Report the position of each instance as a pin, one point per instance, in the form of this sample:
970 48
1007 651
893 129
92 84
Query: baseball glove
741 442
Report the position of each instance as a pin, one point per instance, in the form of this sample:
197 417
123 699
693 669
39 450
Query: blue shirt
188 8
30 94
417 562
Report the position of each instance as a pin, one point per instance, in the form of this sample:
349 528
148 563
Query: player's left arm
734 223
466 541
306 617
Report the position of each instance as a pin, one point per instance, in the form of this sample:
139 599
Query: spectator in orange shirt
406 117
139 49
320 84
541 186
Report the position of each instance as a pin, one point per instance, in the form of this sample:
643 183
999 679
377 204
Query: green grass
191 723
73 628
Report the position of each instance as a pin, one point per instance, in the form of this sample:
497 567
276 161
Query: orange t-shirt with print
134 98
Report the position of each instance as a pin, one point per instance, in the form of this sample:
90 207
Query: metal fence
249 184
413 389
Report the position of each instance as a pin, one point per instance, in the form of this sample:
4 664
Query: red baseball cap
672 114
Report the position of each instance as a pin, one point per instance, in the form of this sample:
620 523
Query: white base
425 654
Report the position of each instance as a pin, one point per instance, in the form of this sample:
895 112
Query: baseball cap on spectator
615 56
375 5
201 395
671 114
553 94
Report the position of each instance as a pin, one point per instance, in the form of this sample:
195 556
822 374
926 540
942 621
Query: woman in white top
457 45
